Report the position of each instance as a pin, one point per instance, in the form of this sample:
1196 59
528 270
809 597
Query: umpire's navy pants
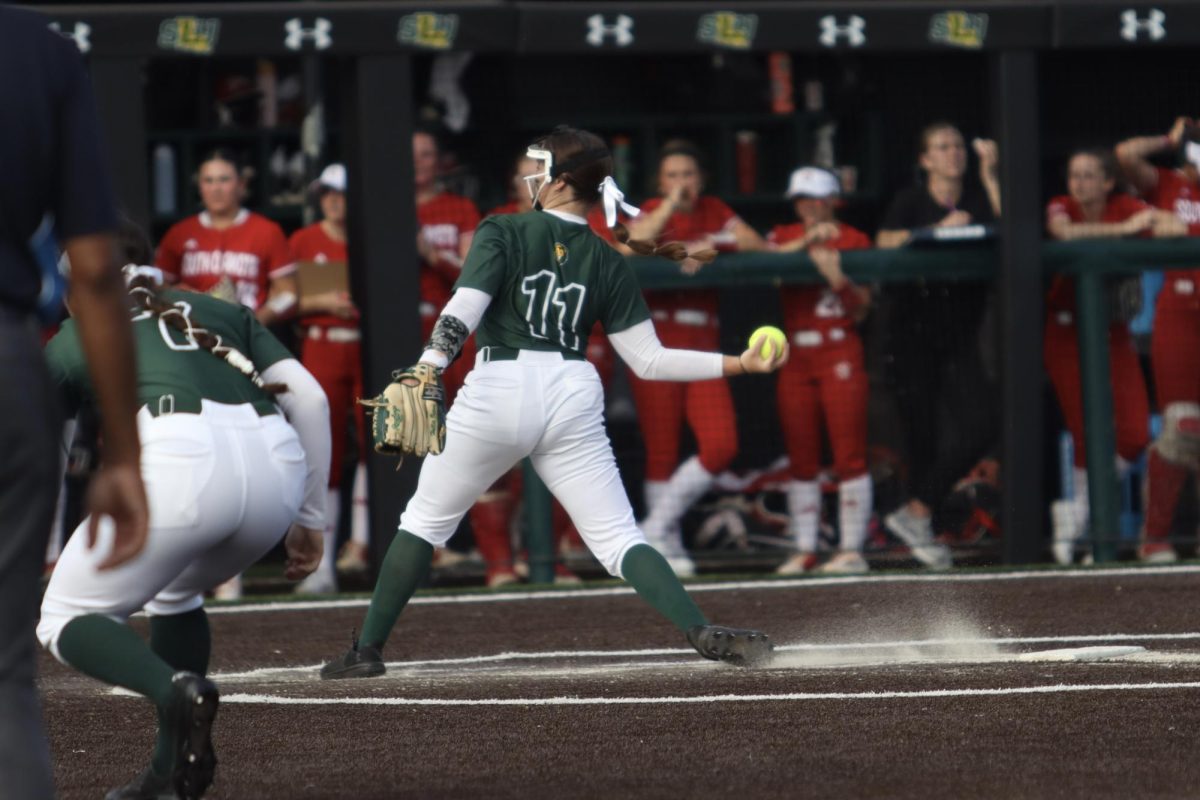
29 475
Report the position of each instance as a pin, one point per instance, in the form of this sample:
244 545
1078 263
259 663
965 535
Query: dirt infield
888 686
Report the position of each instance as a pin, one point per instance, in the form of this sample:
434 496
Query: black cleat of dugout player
745 648
360 661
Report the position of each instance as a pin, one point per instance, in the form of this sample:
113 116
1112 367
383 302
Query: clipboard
319 277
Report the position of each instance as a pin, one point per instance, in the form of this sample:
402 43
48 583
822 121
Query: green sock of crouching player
404 568
649 573
185 642
114 653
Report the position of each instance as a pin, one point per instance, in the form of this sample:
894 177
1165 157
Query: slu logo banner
189 34
429 30
959 29
727 29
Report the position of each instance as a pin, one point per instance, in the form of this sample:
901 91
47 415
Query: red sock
489 520
1164 482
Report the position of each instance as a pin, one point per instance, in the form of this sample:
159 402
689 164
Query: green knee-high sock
404 568
112 652
185 642
648 572
182 640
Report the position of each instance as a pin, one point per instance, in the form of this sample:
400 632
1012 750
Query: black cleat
360 661
738 646
147 786
189 720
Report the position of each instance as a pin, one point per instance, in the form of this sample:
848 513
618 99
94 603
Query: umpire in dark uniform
52 164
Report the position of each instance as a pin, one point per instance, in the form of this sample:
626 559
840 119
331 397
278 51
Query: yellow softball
767 339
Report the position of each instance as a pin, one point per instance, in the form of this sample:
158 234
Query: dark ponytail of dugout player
134 248
585 162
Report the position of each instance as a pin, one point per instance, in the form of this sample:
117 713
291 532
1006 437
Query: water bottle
164 180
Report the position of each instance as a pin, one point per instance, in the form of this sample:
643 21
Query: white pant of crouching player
223 487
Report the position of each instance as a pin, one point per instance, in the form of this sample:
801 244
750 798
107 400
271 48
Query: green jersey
171 363
550 280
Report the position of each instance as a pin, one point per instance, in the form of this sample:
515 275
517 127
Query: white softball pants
223 487
539 406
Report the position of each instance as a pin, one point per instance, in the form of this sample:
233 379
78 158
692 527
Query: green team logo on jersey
560 253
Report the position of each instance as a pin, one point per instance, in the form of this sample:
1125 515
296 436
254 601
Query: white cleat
917 533
317 583
798 564
847 562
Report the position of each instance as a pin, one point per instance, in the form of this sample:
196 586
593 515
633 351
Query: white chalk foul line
765 584
1060 688
664 651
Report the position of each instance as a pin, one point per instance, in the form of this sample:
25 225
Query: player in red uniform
445 225
1092 210
1175 339
332 352
228 251
685 319
825 379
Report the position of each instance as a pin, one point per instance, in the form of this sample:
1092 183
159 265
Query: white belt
684 316
338 335
816 338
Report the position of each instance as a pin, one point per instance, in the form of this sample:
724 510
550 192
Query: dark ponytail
144 289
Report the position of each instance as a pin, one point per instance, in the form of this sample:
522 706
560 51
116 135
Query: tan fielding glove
409 416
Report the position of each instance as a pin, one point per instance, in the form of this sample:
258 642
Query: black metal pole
121 100
1019 286
1099 436
382 229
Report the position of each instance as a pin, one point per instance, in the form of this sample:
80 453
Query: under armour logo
1132 25
318 34
853 31
81 35
621 32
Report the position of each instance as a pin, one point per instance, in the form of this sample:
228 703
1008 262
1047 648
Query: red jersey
708 217
235 263
443 220
599 225
1174 193
1119 208
312 243
816 308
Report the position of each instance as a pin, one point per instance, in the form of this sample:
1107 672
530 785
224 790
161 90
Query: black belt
512 353
193 404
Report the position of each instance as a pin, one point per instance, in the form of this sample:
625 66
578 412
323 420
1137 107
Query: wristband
281 302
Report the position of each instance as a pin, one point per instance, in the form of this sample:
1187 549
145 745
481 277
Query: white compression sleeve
307 409
467 306
640 348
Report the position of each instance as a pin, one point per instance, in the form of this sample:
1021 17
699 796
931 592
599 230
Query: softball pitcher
533 285
226 475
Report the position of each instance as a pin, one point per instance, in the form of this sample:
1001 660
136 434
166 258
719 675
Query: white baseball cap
813 182
332 177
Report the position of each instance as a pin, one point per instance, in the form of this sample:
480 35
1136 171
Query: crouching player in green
226 474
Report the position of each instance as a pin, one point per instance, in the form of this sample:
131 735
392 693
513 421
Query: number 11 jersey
551 279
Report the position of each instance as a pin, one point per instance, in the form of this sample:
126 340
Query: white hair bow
614 198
